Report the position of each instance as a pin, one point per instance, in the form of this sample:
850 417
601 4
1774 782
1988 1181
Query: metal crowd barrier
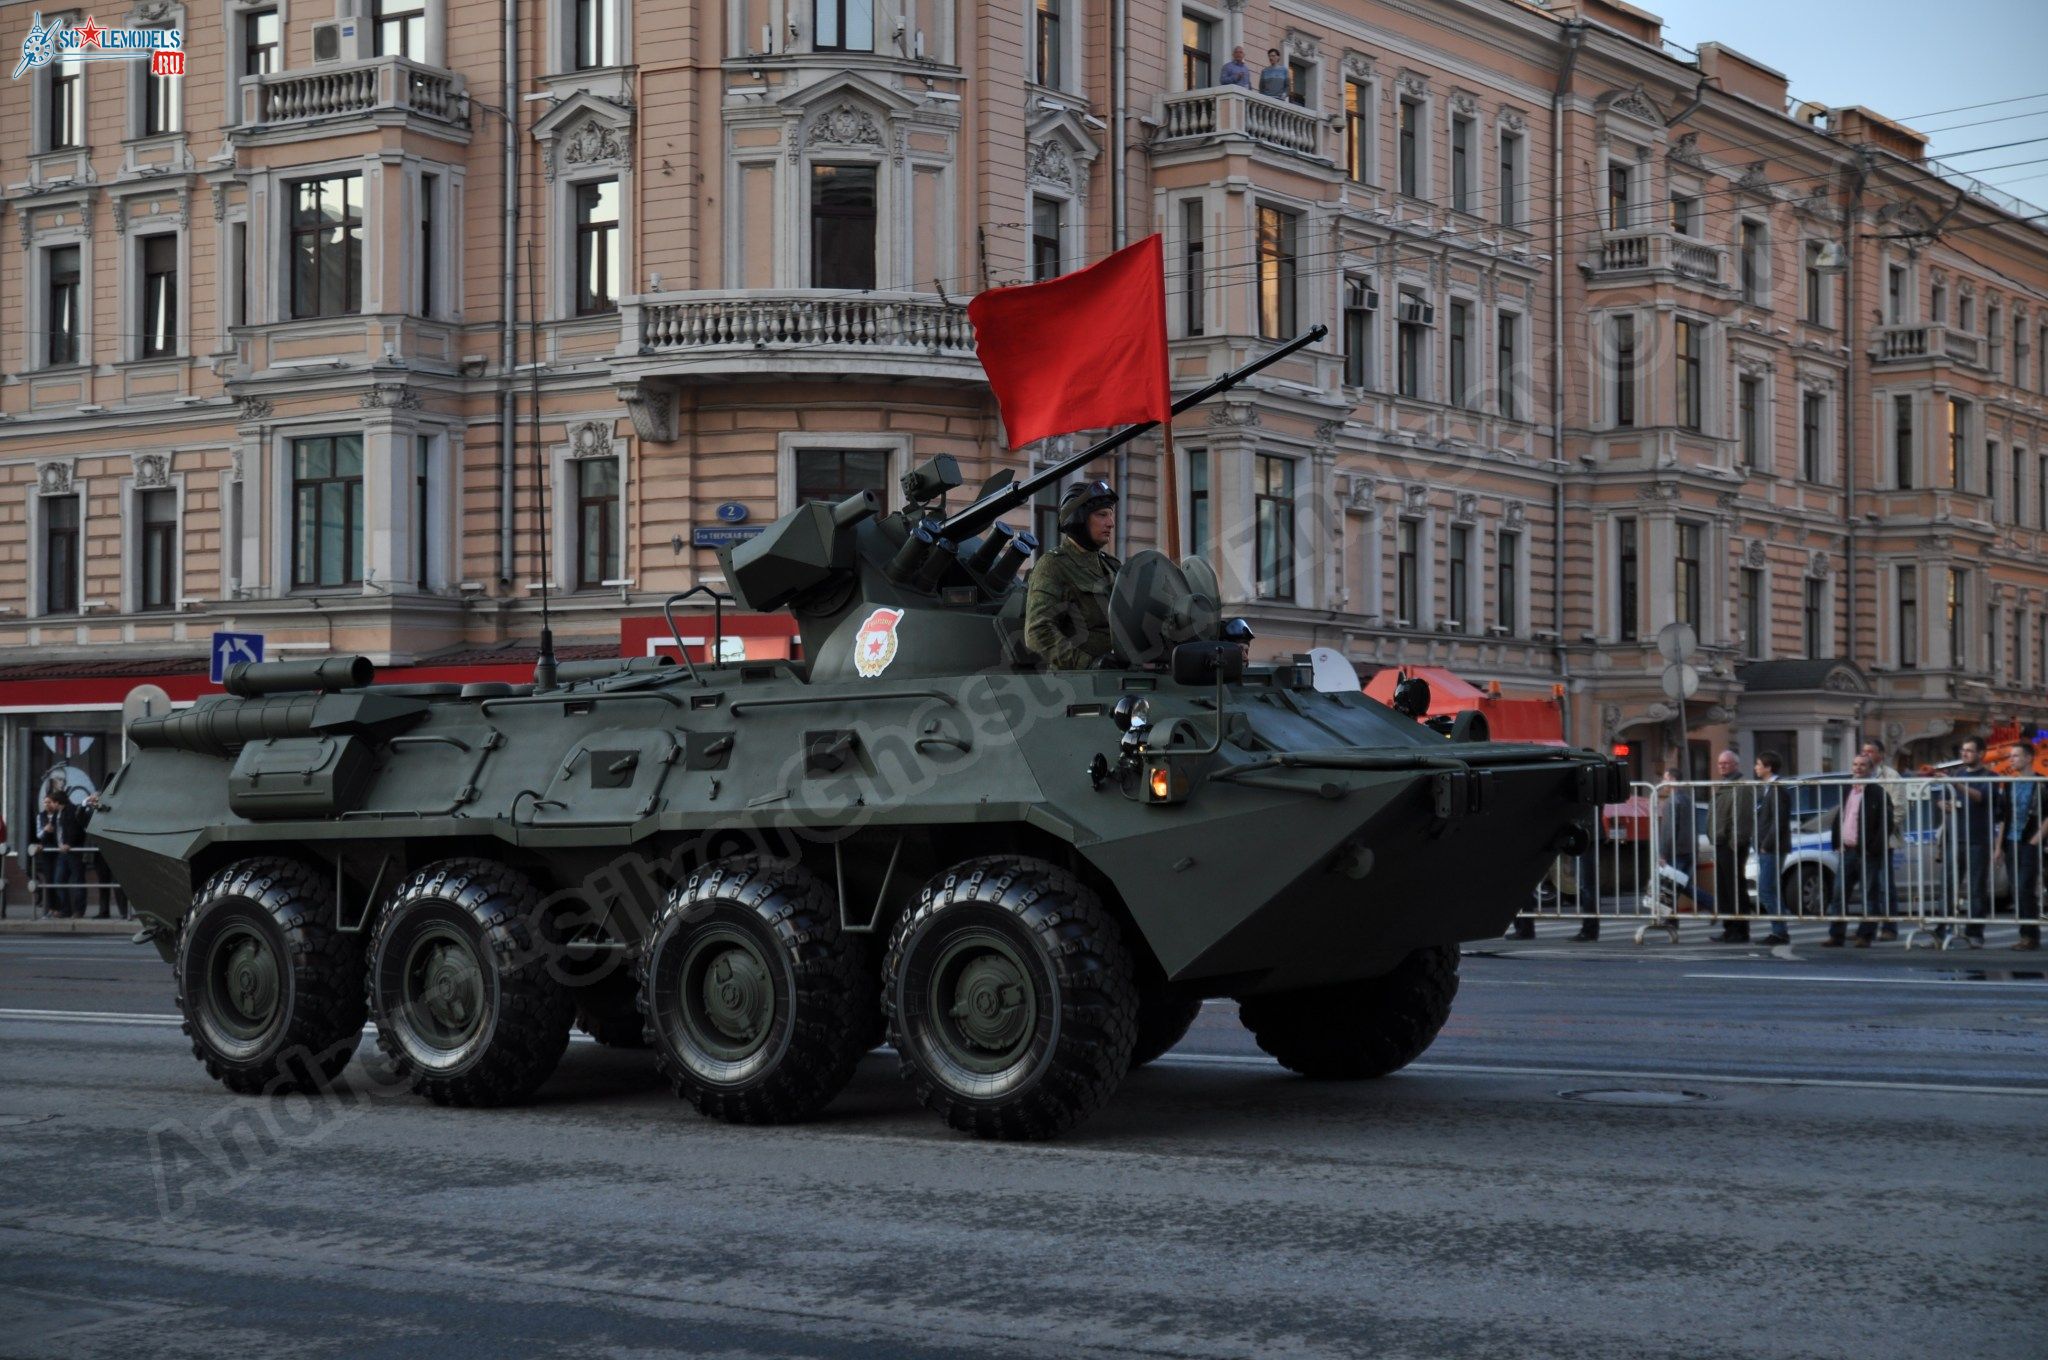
1953 858
91 892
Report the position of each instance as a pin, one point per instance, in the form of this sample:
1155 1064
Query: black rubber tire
488 916
1164 1019
608 1010
287 909
807 986
1075 1041
1358 1029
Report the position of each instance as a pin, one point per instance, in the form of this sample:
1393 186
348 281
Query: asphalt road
1612 1151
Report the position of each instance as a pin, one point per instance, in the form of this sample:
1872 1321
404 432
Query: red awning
1532 720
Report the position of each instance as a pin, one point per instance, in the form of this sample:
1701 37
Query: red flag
1081 351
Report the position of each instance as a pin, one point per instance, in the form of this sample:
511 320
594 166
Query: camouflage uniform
1066 609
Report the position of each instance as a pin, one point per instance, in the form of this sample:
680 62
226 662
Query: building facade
310 340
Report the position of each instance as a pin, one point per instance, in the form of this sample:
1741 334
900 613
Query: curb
30 926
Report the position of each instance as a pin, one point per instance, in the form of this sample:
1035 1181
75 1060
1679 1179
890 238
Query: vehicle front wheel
1010 998
271 993
469 1008
1351 1030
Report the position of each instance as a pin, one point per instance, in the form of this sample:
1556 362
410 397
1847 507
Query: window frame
156 543
1688 572
1194 266
1048 54
1624 391
1458 576
1751 589
838 9
1688 355
352 247
64 104
1458 352
1200 502
61 592
611 517
1411 136
815 214
1196 24
1906 614
1904 439
1356 320
1359 133
1464 183
1813 415
1278 277
1511 166
64 293
1628 581
1813 619
158 334
406 24
250 51
605 236
355 513
159 101
606 31
1040 241
1507 581
1507 341
1275 544
1749 420
1408 572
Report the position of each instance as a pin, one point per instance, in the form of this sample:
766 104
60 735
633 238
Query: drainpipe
1119 76
508 297
1699 97
1849 410
1574 35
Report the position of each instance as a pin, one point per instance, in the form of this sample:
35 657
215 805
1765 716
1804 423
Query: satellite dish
1333 674
1153 609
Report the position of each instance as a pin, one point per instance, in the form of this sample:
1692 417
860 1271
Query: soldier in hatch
1066 615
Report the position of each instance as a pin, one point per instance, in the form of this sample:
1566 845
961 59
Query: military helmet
1082 500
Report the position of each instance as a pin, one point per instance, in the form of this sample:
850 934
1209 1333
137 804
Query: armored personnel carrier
1027 880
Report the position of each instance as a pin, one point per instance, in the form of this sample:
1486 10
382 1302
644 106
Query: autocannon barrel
219 728
252 678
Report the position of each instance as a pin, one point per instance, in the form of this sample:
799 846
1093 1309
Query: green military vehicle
1027 880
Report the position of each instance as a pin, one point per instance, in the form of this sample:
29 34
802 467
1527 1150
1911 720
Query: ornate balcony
820 332
392 86
1925 344
1655 250
1230 111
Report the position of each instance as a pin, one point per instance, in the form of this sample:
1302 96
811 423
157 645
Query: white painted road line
1606 1074
1868 981
1239 1060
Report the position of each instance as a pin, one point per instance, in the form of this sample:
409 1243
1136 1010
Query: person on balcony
1276 79
1235 72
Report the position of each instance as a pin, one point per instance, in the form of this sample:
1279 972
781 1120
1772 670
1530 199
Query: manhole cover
15 1121
1628 1095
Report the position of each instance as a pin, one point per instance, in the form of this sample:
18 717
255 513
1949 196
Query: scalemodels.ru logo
165 47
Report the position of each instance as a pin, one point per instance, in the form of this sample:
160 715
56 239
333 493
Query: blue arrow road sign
231 648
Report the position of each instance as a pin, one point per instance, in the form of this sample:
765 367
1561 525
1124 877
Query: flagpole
1170 497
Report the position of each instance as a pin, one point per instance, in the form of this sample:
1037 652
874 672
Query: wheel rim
444 993
244 986
727 994
982 1002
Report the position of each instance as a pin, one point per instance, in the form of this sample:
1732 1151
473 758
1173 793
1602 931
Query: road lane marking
1238 1060
1869 981
1484 1070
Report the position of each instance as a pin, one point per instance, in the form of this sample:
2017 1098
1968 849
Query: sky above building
1906 59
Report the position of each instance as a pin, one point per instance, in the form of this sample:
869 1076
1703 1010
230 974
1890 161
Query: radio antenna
544 664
